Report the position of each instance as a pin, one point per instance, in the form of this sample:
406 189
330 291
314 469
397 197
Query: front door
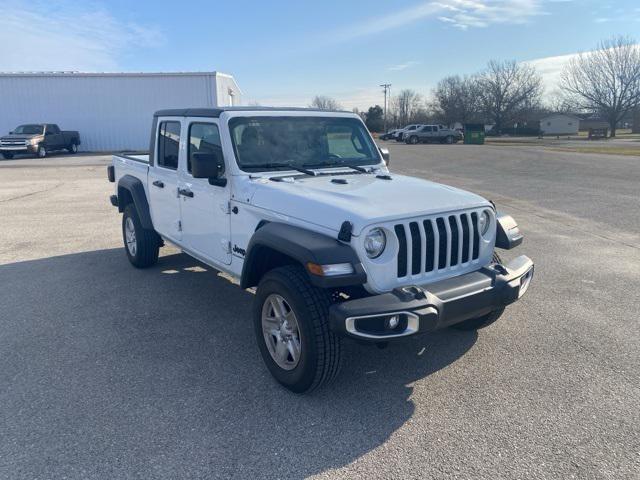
206 225
163 180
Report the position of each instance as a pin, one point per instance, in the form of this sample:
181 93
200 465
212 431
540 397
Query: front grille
13 143
435 244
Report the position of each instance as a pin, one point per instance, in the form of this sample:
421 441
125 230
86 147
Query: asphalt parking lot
111 372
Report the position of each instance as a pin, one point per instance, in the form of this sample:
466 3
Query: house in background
559 124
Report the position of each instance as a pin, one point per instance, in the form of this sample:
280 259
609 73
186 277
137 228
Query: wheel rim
74 148
42 152
281 332
130 236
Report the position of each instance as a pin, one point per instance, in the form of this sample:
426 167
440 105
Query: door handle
185 192
158 184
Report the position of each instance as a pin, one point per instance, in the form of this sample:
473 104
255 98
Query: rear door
163 178
53 138
206 224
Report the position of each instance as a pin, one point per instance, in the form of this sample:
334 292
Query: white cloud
403 66
461 14
60 36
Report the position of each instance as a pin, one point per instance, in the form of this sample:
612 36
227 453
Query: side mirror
385 155
11 132
208 165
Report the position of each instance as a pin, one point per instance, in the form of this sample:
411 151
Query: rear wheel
73 148
142 246
292 330
42 151
485 320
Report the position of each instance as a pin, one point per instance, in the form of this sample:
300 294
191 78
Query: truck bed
136 165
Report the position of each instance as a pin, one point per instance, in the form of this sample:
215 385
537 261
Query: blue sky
285 52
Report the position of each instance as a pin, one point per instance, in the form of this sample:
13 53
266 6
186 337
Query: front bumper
19 148
420 309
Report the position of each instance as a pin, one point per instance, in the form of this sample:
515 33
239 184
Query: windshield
29 130
278 143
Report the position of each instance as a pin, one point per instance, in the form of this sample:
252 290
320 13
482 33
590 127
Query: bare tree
406 104
325 103
506 88
606 80
456 99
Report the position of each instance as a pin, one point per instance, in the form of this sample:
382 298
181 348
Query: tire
448 140
399 138
7 155
485 320
413 140
42 151
73 148
143 246
318 348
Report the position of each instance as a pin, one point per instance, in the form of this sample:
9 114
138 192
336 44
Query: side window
52 129
203 138
168 145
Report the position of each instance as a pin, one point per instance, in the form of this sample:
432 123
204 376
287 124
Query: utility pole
387 88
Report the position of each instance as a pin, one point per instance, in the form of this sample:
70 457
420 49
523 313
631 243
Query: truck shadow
156 373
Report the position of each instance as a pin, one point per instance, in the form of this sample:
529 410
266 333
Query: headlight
374 243
33 141
483 222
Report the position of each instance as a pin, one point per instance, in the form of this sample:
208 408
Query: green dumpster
474 133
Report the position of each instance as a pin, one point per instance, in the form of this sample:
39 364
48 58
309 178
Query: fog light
525 281
392 322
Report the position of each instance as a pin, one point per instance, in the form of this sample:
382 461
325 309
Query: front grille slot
402 250
416 248
431 245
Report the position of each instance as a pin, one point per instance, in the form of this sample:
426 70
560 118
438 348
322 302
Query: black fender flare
303 246
135 188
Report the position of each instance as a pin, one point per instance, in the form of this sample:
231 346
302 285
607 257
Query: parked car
39 139
300 205
433 133
403 132
388 135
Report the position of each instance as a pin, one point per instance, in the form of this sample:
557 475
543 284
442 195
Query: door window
168 144
203 138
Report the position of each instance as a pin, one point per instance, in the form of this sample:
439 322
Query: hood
15 136
363 200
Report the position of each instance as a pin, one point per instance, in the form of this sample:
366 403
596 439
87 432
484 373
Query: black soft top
215 112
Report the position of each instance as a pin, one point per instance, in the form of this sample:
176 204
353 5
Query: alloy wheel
281 332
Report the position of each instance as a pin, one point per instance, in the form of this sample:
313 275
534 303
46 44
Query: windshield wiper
286 165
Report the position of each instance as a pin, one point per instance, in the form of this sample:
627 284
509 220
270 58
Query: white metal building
559 124
112 111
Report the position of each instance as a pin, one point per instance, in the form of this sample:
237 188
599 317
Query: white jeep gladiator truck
300 205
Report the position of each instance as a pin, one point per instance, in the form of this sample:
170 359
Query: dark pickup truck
39 139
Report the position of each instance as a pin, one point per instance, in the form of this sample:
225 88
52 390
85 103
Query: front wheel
448 140
42 151
292 330
413 140
485 320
